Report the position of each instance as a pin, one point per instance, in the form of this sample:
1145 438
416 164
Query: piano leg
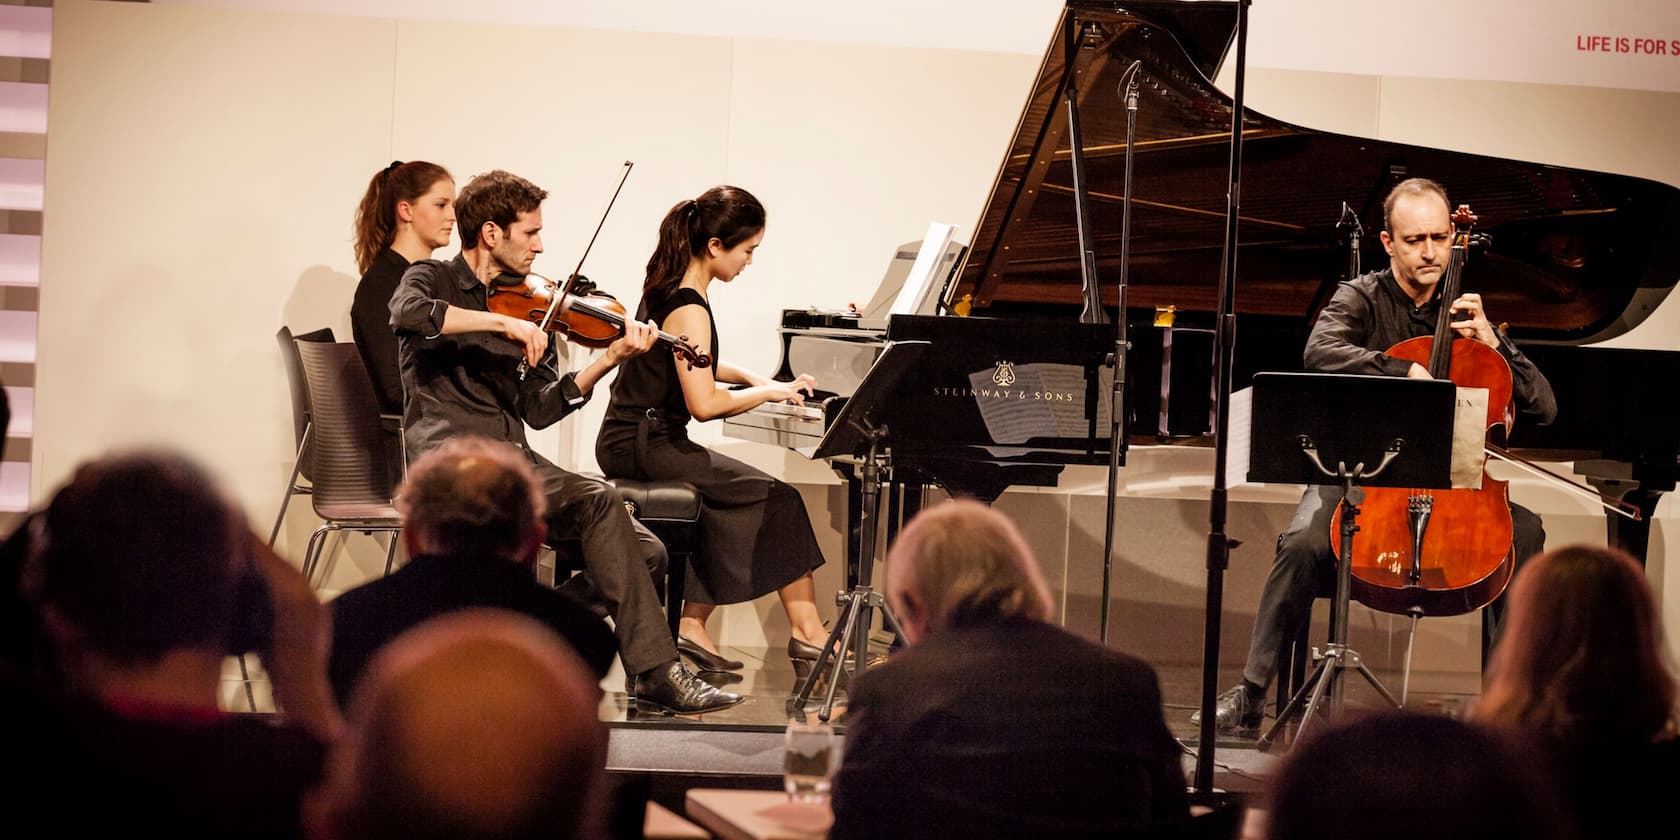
904 501
914 495
1620 531
1628 535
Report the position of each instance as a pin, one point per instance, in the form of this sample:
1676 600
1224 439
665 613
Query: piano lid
1577 256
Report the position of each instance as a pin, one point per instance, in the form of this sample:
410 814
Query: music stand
855 432
1305 422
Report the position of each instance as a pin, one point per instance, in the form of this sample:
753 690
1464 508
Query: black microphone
1350 221
1128 87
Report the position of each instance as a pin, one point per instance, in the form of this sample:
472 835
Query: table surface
758 815
662 823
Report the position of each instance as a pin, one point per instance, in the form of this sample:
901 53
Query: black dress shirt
367 617
1369 314
370 325
468 383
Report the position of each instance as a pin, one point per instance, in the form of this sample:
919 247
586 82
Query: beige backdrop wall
204 165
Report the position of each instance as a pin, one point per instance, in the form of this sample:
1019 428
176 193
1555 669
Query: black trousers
756 536
1306 567
619 554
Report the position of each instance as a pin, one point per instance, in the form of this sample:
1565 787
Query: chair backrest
351 460
300 392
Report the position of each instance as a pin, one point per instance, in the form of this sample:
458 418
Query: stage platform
742 746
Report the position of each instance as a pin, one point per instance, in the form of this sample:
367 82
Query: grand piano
1576 258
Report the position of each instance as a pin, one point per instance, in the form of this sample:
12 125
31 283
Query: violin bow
554 302
578 272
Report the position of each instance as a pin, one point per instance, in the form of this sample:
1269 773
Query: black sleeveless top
650 380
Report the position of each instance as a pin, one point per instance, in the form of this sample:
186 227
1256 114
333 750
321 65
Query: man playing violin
467 370
1365 317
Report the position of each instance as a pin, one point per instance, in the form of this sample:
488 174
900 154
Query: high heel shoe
705 660
804 655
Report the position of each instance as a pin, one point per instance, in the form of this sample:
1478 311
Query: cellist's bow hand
1417 371
1472 320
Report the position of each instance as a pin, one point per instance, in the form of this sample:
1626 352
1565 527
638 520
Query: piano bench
671 510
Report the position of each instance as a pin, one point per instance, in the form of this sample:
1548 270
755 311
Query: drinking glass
811 757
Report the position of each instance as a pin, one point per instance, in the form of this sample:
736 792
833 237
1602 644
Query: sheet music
913 298
1469 438
1238 436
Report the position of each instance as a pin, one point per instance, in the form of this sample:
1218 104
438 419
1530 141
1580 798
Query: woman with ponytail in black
407 212
756 535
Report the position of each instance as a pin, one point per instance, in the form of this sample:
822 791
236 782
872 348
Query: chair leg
312 554
391 550
291 486
676 572
1294 652
245 678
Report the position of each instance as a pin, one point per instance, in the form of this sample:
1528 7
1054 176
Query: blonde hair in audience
967 565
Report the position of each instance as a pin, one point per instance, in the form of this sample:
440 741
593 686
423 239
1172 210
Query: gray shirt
467 383
1370 313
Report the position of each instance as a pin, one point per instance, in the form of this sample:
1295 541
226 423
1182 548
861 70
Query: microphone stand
1092 313
1350 223
1218 543
1117 443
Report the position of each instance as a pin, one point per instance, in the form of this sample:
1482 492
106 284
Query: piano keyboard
796 427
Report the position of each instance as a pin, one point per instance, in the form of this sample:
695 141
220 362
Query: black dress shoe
672 689
705 660
1239 710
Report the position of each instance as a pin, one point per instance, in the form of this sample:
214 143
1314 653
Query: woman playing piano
756 535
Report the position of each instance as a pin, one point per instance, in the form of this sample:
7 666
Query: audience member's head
962 564
137 559
473 495
1403 776
1581 662
477 724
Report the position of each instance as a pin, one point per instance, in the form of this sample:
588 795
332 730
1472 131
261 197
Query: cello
1439 552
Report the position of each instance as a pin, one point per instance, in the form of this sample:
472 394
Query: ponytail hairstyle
376 216
728 214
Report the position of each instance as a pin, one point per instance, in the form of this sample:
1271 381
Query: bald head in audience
472 494
962 564
481 723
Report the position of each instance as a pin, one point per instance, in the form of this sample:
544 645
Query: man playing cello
1365 317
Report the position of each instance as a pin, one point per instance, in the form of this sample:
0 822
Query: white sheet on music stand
913 297
1469 438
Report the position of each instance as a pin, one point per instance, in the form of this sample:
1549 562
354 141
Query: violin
580 312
